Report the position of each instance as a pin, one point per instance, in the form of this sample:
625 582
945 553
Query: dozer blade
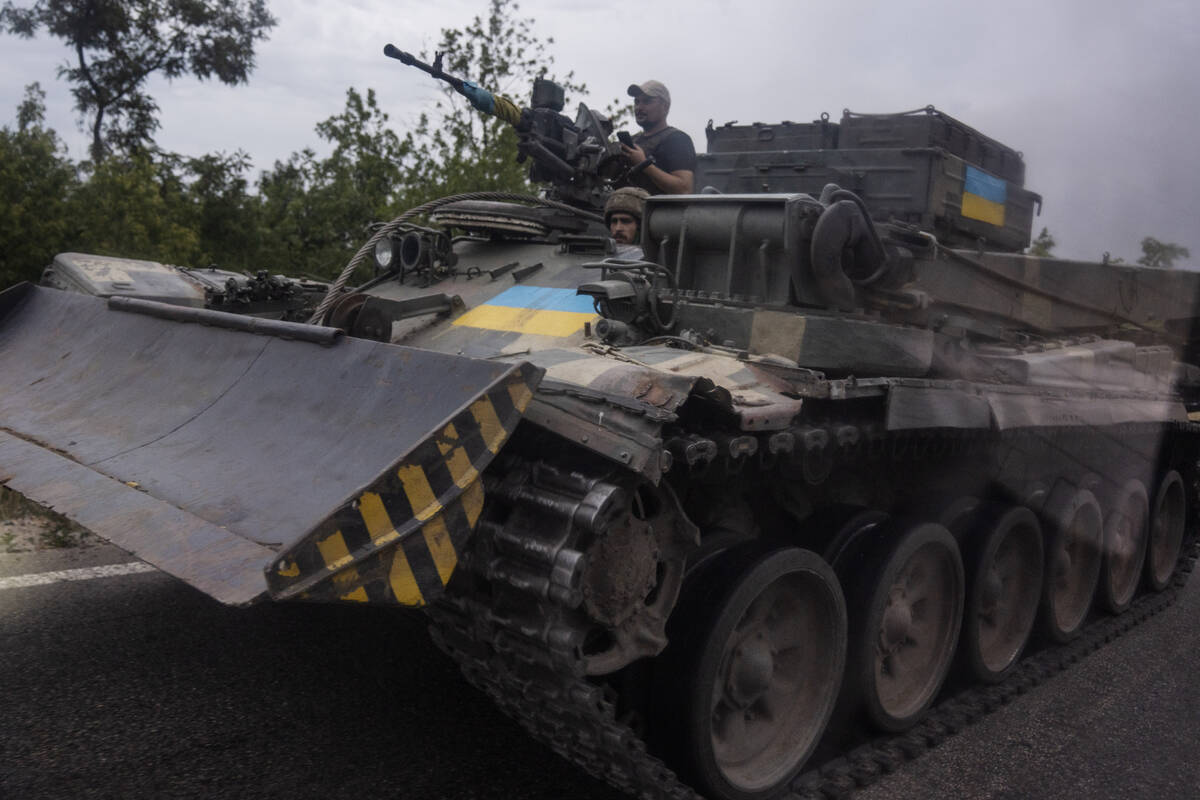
247 456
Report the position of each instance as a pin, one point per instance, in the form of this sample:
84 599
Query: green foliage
445 162
35 179
14 505
226 216
1161 254
35 527
135 207
315 211
1042 245
118 44
61 536
153 205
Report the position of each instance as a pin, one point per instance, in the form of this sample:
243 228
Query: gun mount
575 157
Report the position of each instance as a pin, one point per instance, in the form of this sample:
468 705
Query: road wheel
1073 543
1126 528
907 607
1167 522
1002 555
761 673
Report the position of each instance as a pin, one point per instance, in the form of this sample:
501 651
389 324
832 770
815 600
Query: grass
59 532
14 505
59 537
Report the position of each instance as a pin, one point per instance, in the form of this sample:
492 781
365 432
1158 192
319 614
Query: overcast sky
1102 96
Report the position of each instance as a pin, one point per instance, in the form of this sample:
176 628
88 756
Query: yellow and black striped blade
398 541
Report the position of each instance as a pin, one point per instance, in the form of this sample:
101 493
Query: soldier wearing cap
623 216
662 159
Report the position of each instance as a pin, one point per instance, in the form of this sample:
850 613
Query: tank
748 516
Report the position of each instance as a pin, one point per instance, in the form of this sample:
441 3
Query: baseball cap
650 89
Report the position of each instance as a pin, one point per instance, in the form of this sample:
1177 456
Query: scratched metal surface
254 435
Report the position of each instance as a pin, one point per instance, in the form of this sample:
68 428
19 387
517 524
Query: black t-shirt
672 150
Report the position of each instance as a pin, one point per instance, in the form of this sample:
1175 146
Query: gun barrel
391 51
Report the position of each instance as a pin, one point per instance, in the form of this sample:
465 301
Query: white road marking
82 574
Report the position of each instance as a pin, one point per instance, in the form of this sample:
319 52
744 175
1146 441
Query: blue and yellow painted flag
984 197
532 309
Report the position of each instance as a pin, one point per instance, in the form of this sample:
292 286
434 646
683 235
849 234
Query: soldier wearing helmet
623 216
662 159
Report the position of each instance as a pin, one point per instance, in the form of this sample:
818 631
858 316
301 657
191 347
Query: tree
36 177
1043 244
226 215
134 206
315 212
118 44
1161 254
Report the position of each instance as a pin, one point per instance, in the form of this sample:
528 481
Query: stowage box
924 186
929 127
921 167
819 134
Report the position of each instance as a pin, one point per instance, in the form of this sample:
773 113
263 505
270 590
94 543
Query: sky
1101 96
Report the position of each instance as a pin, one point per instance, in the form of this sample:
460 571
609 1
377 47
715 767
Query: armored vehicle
832 445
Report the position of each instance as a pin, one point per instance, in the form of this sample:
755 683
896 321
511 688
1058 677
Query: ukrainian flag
532 309
984 197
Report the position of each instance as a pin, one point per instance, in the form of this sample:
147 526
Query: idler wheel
1167 522
1126 532
750 690
1073 549
905 611
1003 560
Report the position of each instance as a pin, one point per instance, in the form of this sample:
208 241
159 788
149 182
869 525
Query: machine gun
577 158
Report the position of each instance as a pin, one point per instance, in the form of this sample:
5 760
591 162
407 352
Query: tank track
543 688
859 768
516 662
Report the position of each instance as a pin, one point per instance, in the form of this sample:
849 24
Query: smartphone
624 138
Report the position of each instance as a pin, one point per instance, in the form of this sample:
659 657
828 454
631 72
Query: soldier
623 215
662 158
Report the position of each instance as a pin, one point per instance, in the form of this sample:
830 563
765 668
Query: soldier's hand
634 155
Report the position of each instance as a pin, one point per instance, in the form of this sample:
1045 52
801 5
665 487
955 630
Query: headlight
384 253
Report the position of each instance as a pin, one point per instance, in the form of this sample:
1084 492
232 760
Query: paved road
137 686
